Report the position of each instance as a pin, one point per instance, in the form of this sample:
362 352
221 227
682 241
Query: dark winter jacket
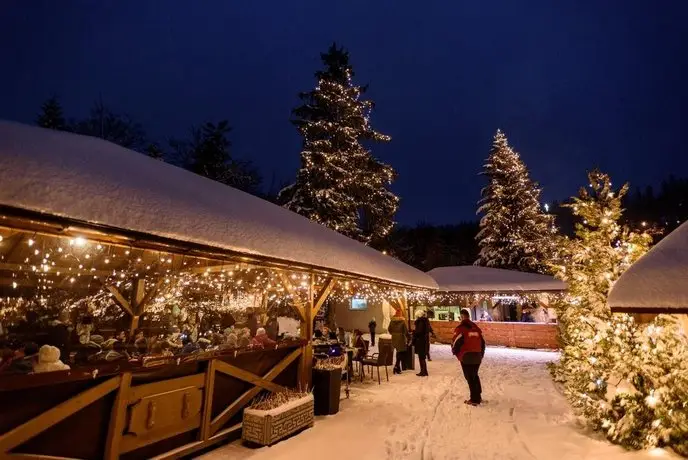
468 343
399 331
421 336
371 326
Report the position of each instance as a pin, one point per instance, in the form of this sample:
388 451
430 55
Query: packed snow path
414 418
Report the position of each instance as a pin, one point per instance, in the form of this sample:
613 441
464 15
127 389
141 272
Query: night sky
574 84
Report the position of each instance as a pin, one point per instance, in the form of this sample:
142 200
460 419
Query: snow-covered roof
471 278
91 180
658 281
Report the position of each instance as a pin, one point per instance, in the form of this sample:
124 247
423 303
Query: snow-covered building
89 230
513 305
84 181
658 281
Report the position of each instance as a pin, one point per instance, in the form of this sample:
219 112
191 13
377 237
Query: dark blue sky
575 84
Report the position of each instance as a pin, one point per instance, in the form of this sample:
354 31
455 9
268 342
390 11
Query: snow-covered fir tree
340 184
51 115
627 380
515 233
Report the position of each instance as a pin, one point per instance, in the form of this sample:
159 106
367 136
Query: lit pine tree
340 184
51 115
598 347
514 231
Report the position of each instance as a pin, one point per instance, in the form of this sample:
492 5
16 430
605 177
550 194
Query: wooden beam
296 304
322 295
149 295
247 376
137 294
163 386
207 411
53 269
36 457
244 399
306 361
188 449
117 419
121 301
37 425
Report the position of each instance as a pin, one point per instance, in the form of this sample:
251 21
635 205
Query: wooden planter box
266 427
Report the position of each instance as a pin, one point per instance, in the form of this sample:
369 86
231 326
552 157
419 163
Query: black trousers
399 362
470 371
423 365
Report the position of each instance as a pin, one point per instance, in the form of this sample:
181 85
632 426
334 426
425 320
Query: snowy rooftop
91 180
658 281
471 278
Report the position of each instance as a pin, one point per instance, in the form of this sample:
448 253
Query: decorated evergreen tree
627 379
51 115
514 231
340 184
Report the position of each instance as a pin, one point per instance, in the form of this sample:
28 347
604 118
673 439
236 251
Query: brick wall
519 335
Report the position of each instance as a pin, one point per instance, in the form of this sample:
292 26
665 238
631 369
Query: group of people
468 345
37 347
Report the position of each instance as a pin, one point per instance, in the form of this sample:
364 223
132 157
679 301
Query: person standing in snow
399 332
371 327
468 345
431 332
421 339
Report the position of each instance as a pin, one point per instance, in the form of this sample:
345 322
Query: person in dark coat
372 325
430 333
421 339
272 328
468 345
399 332
252 322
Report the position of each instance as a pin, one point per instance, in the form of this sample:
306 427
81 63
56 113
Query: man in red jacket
469 347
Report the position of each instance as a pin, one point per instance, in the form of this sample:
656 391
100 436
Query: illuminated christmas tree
627 379
514 231
340 184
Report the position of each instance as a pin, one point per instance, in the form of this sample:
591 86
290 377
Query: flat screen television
358 304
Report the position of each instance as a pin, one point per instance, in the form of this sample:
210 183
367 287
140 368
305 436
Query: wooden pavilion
656 283
86 219
499 293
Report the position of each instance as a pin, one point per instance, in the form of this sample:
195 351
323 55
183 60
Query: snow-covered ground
525 417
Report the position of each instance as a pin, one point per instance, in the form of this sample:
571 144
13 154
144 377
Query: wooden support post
117 419
207 414
137 295
306 362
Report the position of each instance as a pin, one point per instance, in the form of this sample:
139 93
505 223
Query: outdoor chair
384 358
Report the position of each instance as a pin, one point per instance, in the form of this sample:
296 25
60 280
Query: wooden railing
165 412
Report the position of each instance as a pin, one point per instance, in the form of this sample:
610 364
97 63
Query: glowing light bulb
31 242
79 242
